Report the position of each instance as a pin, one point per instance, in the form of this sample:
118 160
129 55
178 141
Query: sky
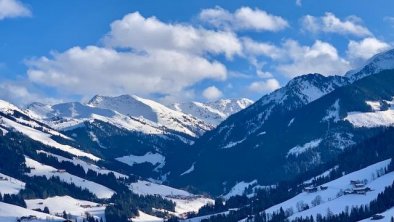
176 50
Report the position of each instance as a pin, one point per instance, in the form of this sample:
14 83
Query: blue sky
176 50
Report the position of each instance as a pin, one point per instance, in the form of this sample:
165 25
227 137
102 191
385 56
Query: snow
152 111
371 119
45 138
213 112
375 105
330 197
232 144
76 208
333 113
185 201
143 217
85 165
39 169
10 213
9 185
8 108
297 150
152 158
239 189
291 122
191 169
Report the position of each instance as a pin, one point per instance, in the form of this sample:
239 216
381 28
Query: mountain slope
148 109
213 112
286 136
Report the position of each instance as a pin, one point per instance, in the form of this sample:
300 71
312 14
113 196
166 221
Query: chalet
86 206
310 189
358 185
61 171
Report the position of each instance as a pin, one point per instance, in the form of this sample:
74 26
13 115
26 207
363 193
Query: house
310 189
61 170
353 182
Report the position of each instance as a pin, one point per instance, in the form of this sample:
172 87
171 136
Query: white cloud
136 32
329 23
321 58
13 9
266 86
92 70
253 48
365 48
212 93
142 56
244 18
20 93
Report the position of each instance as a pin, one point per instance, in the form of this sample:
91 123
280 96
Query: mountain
379 62
304 124
213 112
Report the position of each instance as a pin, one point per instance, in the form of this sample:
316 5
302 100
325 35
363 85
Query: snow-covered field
9 185
10 213
39 169
45 138
185 201
377 118
143 217
387 216
76 208
152 158
85 165
333 199
297 150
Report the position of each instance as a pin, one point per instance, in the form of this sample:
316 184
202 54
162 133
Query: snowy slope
387 216
333 197
143 217
185 201
152 158
9 185
76 208
85 165
9 213
213 112
379 62
39 169
153 111
44 138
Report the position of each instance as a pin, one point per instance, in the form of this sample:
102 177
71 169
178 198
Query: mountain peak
379 62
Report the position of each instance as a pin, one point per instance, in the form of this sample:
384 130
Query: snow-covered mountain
313 115
379 62
213 112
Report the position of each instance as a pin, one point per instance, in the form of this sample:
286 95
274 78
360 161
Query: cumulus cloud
321 57
254 48
13 9
140 33
94 70
141 56
365 48
212 93
329 23
244 18
266 86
